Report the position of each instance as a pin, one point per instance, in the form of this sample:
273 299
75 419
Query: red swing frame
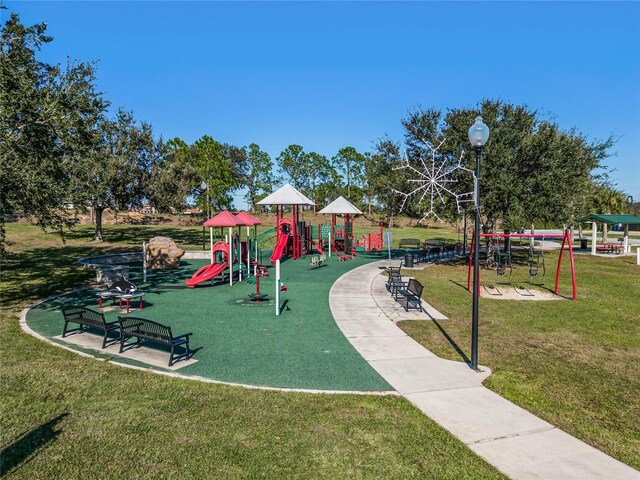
566 239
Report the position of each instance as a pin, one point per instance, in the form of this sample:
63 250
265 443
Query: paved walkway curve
515 441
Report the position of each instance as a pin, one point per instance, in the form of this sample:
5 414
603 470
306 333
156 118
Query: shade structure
610 219
223 219
341 206
256 220
245 219
286 195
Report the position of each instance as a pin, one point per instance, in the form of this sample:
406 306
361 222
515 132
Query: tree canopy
49 116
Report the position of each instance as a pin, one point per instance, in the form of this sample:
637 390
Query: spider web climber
433 181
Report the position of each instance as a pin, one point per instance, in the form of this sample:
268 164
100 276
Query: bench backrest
84 315
415 287
413 242
145 328
394 271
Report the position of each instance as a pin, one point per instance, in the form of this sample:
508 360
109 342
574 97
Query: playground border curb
197 378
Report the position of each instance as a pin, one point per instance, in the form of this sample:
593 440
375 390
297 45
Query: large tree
215 168
48 116
294 165
257 173
116 173
172 177
532 171
350 163
323 180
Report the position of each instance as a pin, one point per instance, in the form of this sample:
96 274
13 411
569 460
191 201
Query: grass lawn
65 416
575 364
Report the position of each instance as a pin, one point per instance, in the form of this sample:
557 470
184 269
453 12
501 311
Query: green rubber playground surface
240 341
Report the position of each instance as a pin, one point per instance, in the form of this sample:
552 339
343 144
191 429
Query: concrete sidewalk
516 442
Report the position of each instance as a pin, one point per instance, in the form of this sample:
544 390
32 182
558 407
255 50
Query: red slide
319 248
280 246
206 273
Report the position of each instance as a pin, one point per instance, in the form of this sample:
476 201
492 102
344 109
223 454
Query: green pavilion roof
602 218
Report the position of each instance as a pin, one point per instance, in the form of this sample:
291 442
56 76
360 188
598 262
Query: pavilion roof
610 219
286 195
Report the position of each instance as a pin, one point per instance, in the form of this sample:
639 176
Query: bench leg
104 340
171 356
64 330
122 340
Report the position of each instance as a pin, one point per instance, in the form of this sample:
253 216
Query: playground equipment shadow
241 341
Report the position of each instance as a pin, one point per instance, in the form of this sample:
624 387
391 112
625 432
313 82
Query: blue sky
328 75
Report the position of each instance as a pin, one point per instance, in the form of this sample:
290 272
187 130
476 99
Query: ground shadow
453 343
28 444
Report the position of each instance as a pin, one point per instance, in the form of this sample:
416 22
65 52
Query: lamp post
478 136
205 186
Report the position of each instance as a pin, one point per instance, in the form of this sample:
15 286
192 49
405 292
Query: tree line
59 147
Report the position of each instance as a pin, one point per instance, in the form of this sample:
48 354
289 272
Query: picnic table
610 248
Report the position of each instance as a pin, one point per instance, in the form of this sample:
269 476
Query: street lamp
203 186
478 136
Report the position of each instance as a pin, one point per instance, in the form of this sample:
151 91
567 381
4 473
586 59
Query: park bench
409 243
148 330
394 277
411 295
85 317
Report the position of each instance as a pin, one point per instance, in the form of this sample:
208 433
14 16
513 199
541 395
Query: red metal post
470 262
573 269
559 264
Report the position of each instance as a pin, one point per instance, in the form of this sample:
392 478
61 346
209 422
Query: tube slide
280 246
206 273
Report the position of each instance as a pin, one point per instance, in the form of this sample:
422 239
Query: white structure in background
285 195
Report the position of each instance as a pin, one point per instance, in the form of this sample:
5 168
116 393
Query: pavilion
606 219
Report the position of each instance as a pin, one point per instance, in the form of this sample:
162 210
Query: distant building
192 211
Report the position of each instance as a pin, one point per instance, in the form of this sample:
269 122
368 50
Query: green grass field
574 363
65 416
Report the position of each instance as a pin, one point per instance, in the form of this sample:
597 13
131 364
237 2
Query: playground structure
502 258
234 254
371 240
215 269
290 232
341 240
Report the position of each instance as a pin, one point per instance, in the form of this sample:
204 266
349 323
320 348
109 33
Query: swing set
501 258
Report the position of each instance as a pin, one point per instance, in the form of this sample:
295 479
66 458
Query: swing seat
533 273
501 270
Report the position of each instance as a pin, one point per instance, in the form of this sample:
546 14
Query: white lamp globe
478 133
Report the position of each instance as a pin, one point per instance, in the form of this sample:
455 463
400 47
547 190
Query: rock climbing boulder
162 252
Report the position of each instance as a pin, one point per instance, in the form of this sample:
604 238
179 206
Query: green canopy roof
602 218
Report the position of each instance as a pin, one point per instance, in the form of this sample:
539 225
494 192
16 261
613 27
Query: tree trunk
115 216
97 236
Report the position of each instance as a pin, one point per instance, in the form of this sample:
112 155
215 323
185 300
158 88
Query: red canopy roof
245 219
223 219
256 220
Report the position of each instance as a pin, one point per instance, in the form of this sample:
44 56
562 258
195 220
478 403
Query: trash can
583 243
408 260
